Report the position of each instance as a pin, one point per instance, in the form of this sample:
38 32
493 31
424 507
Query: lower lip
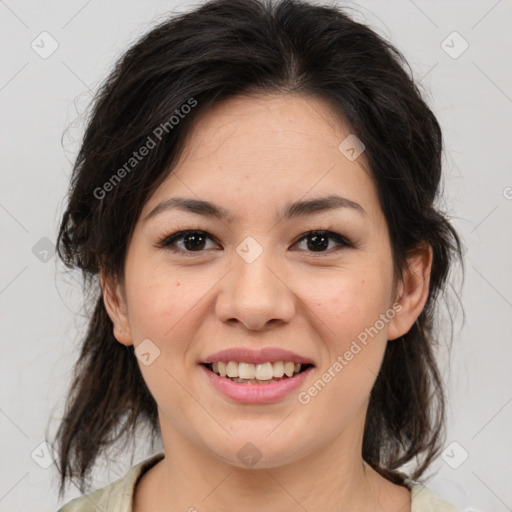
256 393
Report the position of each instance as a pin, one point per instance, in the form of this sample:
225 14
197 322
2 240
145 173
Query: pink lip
263 355
256 393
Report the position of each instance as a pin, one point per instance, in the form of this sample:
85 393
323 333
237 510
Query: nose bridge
255 293
252 265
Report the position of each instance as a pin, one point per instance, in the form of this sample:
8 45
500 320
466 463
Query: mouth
264 376
268 372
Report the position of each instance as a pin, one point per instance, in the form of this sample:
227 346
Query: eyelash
167 241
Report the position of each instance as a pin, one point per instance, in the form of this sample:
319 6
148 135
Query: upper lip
263 355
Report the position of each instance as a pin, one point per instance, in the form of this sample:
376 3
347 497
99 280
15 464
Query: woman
254 206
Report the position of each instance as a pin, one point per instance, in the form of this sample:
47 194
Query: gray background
40 102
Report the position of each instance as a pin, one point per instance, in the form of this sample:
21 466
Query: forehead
270 124
270 149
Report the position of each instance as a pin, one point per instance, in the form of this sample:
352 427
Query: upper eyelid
180 233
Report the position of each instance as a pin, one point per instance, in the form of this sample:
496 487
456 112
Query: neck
332 477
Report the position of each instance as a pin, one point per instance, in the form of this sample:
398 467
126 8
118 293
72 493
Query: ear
412 291
115 304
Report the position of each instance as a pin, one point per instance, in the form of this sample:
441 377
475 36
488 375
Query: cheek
163 308
161 303
349 304
354 346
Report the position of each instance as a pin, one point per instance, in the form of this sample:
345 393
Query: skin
251 155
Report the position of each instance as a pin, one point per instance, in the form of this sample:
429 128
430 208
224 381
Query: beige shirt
117 496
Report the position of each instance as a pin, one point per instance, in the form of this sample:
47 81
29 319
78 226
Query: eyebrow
291 210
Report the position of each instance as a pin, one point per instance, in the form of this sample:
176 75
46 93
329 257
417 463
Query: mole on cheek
177 283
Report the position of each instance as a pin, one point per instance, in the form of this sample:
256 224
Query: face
263 279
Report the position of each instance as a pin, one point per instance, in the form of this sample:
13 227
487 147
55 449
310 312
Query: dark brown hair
218 50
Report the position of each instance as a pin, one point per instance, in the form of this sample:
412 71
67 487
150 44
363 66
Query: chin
256 449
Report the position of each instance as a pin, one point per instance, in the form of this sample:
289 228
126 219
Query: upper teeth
260 371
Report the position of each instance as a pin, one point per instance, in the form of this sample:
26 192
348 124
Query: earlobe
413 291
115 305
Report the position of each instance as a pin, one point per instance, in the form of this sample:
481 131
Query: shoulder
116 496
424 500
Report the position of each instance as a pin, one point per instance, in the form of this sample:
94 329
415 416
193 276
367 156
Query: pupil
198 244
318 242
315 241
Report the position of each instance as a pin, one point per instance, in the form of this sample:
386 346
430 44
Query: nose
255 294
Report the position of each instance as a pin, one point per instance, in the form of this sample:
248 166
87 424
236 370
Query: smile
254 390
261 373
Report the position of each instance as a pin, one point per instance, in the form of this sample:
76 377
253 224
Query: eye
318 240
196 241
193 241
